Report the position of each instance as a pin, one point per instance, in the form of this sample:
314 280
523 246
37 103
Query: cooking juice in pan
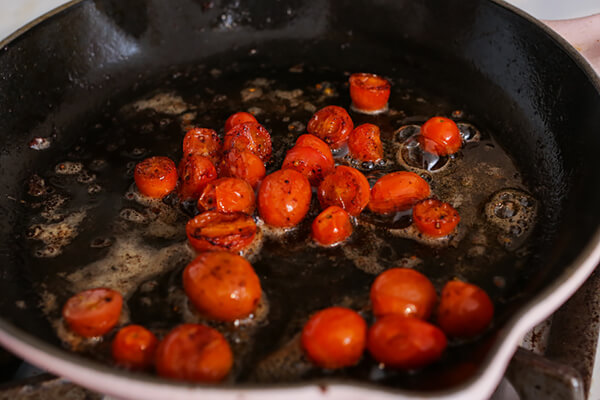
88 226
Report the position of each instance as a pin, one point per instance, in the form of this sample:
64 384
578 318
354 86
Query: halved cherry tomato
346 187
404 342
397 191
222 285
203 142
369 92
440 136
195 172
133 347
334 337
250 136
284 198
194 352
244 165
309 162
213 230
465 310
227 195
155 176
403 291
331 226
332 124
435 218
308 140
238 118
93 312
364 143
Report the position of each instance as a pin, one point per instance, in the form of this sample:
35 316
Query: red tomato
397 191
203 142
195 172
212 230
309 162
222 285
194 352
331 226
284 198
465 310
227 195
93 312
346 187
238 118
364 143
405 343
155 176
440 136
332 124
369 92
307 140
244 165
133 347
435 218
334 337
403 291
250 136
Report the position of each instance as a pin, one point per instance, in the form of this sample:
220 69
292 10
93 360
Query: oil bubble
68 168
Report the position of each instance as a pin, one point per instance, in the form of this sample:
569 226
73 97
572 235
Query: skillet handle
583 34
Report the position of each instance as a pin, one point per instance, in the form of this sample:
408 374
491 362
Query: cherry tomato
440 136
195 172
334 337
309 162
465 310
397 191
404 342
227 195
238 118
435 218
212 230
93 312
222 285
155 176
244 165
369 92
203 142
308 140
194 352
331 226
250 136
332 124
284 198
403 291
364 143
346 187
133 347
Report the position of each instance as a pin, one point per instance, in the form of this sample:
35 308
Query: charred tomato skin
364 143
244 165
331 226
227 195
347 188
212 230
238 118
250 136
435 218
203 142
155 176
284 198
309 162
195 172
332 124
369 92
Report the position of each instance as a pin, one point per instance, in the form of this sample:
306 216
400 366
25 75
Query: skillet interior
475 56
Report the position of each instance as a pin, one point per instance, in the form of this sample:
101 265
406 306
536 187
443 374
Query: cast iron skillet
518 81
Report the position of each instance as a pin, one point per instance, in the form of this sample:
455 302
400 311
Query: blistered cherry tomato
346 187
435 218
284 198
222 285
364 143
308 140
332 124
369 92
403 291
93 312
250 136
309 162
244 165
155 176
195 173
227 195
331 226
404 342
465 310
133 347
203 142
440 136
397 191
194 352
334 337
238 118
213 230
